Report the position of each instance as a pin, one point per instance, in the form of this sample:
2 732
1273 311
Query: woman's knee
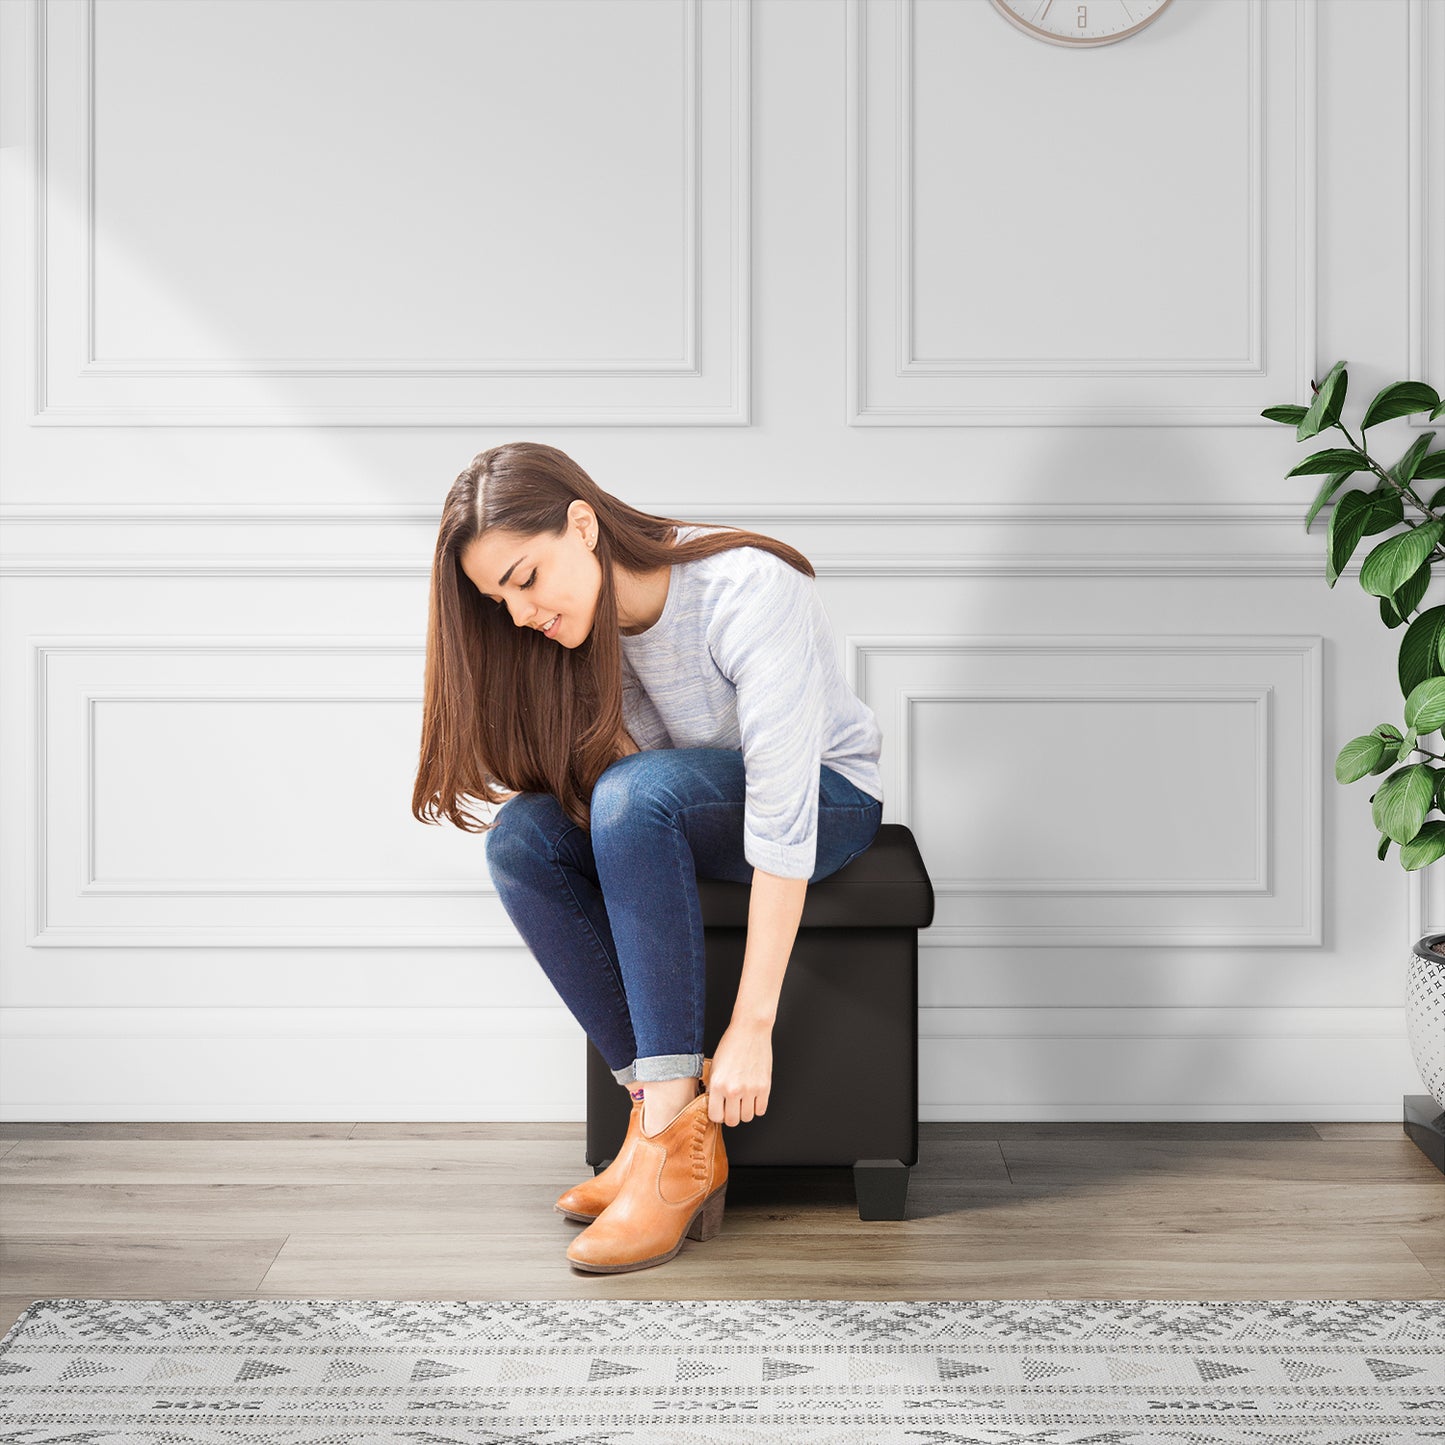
632 788
520 828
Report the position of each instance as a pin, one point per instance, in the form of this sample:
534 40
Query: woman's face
542 577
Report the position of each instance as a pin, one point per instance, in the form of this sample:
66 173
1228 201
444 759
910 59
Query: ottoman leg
882 1188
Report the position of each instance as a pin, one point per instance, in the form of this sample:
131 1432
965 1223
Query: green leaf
1425 707
1346 527
1390 735
1385 841
1427 846
1358 758
1391 564
1399 399
1288 413
1422 649
1431 467
1397 609
1354 516
1331 460
1326 492
1404 471
1403 800
1325 408
1391 754
1388 509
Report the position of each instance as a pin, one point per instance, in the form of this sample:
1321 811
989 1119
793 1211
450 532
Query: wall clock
1081 22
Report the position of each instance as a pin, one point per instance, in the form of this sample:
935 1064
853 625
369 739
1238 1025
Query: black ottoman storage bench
845 1042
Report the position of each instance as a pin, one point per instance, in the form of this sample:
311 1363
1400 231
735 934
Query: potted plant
1397 571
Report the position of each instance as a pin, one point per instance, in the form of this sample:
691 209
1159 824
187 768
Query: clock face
1081 22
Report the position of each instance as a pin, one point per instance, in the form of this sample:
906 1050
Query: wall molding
90 895
93 886
1425 301
875 514
1263 539
686 364
979 565
863 409
906 227
1257 695
708 384
1300 748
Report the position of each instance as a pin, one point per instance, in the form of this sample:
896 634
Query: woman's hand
742 1074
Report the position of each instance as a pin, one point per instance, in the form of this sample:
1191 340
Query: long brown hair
505 710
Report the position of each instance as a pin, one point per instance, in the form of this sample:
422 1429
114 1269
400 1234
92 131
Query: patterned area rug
720 1372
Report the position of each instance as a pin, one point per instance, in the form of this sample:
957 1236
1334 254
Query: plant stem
1438 550
1375 467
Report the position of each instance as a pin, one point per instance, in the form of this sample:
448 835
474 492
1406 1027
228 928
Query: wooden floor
449 1211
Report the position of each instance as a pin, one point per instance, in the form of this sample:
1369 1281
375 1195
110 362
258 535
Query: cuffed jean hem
625 1076
660 1067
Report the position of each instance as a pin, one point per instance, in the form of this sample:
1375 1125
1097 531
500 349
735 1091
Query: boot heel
707 1222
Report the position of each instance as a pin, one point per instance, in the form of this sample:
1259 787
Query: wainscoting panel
979 291
1087 735
399 292
240 793
271 275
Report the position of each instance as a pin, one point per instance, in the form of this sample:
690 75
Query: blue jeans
612 913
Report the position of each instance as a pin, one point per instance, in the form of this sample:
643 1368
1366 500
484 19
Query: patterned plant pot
1425 1013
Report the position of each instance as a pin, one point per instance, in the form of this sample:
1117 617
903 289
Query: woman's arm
775 909
742 1072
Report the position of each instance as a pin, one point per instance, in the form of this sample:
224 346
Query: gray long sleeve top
743 656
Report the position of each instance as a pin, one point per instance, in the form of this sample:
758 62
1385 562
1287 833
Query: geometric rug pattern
724 1371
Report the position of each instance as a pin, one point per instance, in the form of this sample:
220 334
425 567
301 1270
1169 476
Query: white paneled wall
983 325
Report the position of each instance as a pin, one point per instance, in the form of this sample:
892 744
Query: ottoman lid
885 887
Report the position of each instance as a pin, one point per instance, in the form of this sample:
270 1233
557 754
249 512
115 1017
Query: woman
678 712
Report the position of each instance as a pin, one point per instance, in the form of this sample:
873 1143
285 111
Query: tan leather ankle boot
585 1201
674 1189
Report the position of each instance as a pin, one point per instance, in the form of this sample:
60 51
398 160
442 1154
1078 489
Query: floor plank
101 1266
